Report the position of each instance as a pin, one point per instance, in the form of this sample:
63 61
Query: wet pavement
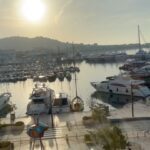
71 125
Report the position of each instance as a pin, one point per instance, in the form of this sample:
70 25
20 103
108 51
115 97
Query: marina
85 90
92 72
50 96
50 104
74 75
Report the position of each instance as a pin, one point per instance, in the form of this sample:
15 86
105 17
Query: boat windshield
38 93
104 82
38 100
60 101
64 101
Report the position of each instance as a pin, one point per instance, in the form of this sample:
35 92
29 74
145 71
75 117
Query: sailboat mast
139 37
75 72
76 84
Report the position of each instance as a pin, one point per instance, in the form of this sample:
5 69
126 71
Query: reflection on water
98 72
115 100
7 109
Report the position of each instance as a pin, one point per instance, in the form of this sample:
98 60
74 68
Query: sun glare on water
33 10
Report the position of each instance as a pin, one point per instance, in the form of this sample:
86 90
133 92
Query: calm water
97 72
88 73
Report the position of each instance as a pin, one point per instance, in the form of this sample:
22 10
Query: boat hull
107 88
36 109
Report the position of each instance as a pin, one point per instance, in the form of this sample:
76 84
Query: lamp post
52 117
51 109
132 101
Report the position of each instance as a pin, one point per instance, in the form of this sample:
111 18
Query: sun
33 10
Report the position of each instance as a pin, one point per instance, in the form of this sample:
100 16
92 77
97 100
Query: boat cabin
61 100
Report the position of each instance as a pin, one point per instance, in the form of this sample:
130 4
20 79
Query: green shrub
4 125
87 138
86 118
19 123
6 144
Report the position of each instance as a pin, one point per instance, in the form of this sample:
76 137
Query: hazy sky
82 21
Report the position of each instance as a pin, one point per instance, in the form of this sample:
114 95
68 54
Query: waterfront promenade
55 138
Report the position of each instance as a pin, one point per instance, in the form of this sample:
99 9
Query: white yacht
4 99
141 54
123 84
131 64
141 72
41 100
61 103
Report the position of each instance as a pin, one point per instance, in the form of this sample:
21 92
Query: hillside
42 43
24 43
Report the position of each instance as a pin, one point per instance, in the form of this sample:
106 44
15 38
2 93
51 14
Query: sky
79 21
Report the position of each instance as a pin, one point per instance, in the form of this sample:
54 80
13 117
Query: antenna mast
139 37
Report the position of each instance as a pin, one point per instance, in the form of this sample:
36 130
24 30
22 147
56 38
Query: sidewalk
71 124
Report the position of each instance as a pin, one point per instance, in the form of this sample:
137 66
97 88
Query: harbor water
88 72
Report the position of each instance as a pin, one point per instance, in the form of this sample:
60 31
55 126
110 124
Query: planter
5 148
88 139
5 129
6 145
17 128
88 121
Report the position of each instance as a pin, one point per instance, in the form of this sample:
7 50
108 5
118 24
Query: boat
141 72
61 103
68 75
42 78
4 100
131 64
60 76
41 100
124 85
141 54
73 69
120 56
115 100
51 77
139 68
77 104
106 57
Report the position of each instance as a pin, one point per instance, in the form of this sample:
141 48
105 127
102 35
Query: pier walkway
55 138
57 135
136 129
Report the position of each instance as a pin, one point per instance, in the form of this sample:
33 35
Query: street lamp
132 101
51 109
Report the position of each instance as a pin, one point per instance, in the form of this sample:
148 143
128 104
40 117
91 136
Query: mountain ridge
21 43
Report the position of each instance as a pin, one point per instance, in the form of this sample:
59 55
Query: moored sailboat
77 104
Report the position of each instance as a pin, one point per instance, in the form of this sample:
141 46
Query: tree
100 113
111 138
